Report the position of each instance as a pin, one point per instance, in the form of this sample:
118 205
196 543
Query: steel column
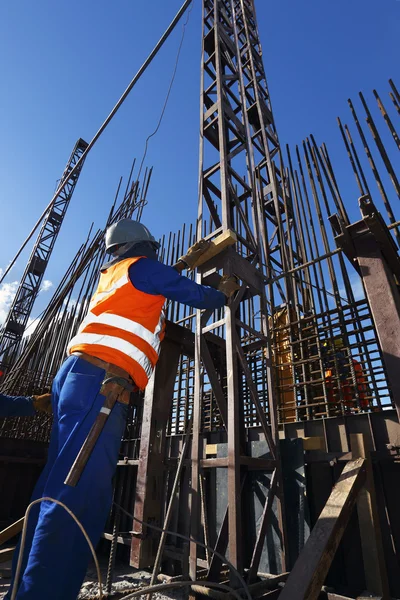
370 247
237 136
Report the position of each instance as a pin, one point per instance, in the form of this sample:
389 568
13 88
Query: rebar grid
42 353
328 302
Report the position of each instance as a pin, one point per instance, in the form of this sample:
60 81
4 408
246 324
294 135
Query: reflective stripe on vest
124 326
115 343
127 325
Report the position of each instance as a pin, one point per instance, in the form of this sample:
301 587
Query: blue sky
63 66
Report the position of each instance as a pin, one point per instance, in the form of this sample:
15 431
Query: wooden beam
310 570
370 532
314 443
253 464
6 554
125 540
12 530
150 482
211 449
222 241
210 463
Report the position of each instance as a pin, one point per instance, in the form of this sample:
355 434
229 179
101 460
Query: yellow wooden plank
222 241
311 567
314 443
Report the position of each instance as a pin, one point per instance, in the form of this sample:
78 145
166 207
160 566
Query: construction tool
88 445
198 254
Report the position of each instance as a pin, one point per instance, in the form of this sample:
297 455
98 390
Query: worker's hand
228 285
193 254
42 403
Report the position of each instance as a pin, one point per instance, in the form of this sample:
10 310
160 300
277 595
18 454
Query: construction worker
337 365
120 337
24 406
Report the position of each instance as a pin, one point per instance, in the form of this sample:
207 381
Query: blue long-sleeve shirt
16 406
153 277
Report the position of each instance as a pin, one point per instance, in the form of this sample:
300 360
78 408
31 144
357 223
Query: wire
23 539
79 163
141 591
190 539
281 274
168 92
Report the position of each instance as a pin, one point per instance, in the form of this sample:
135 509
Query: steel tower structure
242 190
28 289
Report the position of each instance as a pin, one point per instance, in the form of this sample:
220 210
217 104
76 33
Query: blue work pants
56 554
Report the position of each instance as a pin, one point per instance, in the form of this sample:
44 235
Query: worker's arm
152 277
16 406
24 406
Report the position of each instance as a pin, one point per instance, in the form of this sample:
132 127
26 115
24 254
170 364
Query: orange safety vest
124 326
347 392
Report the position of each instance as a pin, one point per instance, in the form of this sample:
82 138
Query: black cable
190 539
168 92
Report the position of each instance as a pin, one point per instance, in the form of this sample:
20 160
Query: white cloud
46 285
356 286
31 326
72 303
7 293
2 270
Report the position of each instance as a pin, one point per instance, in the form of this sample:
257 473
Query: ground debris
125 581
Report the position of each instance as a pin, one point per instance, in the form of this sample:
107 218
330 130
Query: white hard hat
127 231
